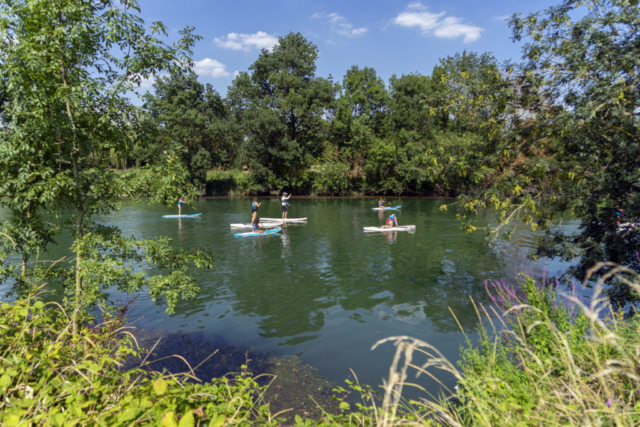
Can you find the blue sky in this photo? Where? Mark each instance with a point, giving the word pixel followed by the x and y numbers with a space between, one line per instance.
pixel 393 37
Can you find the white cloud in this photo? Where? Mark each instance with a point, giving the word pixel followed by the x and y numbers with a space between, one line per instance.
pixel 143 83
pixel 340 25
pixel 502 18
pixel 236 73
pixel 147 83
pixel 236 41
pixel 417 15
pixel 210 67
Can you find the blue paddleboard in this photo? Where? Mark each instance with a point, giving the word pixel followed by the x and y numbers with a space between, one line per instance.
pixel 181 216
pixel 253 234
pixel 387 209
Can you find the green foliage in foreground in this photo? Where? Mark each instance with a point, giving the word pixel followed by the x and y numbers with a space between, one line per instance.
pixel 553 361
pixel 539 361
pixel 50 377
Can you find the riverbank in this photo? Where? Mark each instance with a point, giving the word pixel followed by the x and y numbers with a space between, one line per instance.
pixel 538 362
pixel 293 388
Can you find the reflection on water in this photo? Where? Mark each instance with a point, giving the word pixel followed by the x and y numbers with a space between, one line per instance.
pixel 326 290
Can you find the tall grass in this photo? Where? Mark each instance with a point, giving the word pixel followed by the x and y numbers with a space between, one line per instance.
pixel 544 358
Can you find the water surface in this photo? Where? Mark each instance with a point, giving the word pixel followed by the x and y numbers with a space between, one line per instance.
pixel 325 290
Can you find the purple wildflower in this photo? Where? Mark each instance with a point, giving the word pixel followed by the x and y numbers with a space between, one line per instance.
pixel 609 404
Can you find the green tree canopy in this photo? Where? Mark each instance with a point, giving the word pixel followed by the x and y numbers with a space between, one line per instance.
pixel 68 68
pixel 193 116
pixel 281 105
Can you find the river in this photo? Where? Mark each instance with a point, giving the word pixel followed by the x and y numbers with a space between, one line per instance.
pixel 325 290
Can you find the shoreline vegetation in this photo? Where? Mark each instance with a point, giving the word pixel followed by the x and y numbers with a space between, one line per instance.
pixel 544 357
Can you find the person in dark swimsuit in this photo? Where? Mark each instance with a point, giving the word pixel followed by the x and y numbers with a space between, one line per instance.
pixel 254 209
pixel 256 226
pixel 381 202
pixel 180 202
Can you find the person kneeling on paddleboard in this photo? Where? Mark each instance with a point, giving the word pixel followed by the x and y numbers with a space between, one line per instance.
pixel 256 225
pixel 180 202
pixel 254 208
pixel 285 197
pixel 392 221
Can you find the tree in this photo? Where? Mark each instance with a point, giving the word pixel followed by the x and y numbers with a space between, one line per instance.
pixel 360 116
pixel 589 65
pixel 571 135
pixel 194 116
pixel 281 105
pixel 67 69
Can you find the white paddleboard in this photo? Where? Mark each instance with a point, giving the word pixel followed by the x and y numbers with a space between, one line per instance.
pixel 284 220
pixel 181 216
pixel 262 224
pixel 401 228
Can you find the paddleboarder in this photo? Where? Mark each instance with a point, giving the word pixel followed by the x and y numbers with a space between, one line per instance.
pixel 381 202
pixel 254 208
pixel 392 221
pixel 284 199
pixel 256 226
pixel 180 202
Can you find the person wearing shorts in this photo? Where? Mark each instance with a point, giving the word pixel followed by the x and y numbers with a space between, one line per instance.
pixel 284 199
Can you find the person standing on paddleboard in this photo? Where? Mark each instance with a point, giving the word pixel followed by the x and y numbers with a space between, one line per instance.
pixel 254 209
pixel 392 221
pixel 284 199
pixel 381 202
pixel 180 202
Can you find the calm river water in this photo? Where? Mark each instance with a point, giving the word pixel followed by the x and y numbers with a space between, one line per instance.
pixel 325 290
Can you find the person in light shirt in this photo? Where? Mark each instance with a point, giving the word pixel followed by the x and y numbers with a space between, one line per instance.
pixel 285 197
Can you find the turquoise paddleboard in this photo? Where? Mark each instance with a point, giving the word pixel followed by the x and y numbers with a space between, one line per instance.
pixel 387 209
pixel 253 234
pixel 181 216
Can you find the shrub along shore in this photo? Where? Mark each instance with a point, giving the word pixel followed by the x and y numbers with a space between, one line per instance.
pixel 241 183
pixel 543 358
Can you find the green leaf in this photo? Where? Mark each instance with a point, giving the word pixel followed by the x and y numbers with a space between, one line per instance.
pixel 5 381
pixel 187 420
pixel 160 386
pixel 169 420
pixel 218 421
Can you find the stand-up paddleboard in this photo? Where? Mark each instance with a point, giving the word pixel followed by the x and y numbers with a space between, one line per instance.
pixel 629 225
pixel 181 216
pixel 284 220
pixel 387 209
pixel 262 224
pixel 401 228
pixel 253 234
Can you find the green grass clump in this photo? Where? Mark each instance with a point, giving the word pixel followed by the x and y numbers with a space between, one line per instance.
pixel 543 358
pixel 50 377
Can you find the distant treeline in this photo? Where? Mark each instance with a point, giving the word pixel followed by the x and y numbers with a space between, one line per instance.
pixel 285 127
